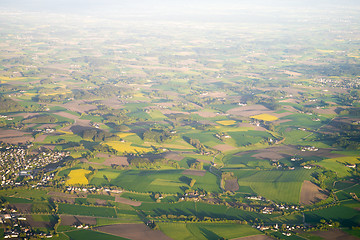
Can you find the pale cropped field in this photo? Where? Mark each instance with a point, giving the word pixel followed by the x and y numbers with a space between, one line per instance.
pixel 127 147
pixel 226 122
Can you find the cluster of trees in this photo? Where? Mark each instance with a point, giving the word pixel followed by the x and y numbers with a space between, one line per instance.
pixel 57 98
pixel 198 145
pixel 324 177
pixel 115 117
pixel 98 135
pixel 157 163
pixel 348 136
pixel 9 105
pixel 197 165
pixel 198 219
pixel 158 135
pixel 270 103
pixel 43 118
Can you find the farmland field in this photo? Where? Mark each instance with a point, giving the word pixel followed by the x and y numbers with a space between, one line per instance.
pixel 226 122
pixel 265 117
pixel 181 231
pixel 345 215
pixel 91 235
pixel 86 210
pixel 166 181
pixel 127 147
pixel 281 186
pixel 339 165
pixel 206 120
pixel 78 177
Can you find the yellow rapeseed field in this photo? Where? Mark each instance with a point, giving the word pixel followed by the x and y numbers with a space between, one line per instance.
pixel 226 122
pixel 265 117
pixel 66 132
pixel 11 78
pixel 78 177
pixel 138 95
pixel 126 147
pixel 124 135
pixel 57 92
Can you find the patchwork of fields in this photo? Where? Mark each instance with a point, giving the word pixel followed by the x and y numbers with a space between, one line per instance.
pixel 246 125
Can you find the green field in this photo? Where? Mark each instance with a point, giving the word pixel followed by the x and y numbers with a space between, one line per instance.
pixel 205 137
pixel 16 200
pixel 242 138
pixel 44 218
pixel 138 197
pixel 343 214
pixel 192 231
pixel 280 186
pixel 246 161
pixel 165 181
pixel 338 165
pixel 86 210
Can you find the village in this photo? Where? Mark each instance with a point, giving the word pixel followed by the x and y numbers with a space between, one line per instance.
pixel 17 163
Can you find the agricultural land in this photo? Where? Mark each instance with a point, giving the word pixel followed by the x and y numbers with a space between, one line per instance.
pixel 235 126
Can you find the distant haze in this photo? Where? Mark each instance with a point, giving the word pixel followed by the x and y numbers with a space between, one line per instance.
pixel 184 10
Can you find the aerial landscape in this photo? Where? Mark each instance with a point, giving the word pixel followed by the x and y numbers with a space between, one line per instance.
pixel 180 120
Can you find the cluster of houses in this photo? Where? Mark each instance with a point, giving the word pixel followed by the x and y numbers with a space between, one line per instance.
pixel 15 161
pixel 309 148
pixel 95 125
pixel 45 130
pixel 6 117
pixel 17 226
pixel 192 196
pixel 286 230
pixel 338 83
pixel 222 136
pixel 74 190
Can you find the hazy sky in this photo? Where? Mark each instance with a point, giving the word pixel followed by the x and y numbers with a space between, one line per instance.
pixel 165 6
pixel 188 10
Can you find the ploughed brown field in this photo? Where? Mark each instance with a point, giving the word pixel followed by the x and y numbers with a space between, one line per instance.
pixel 112 159
pixel 278 152
pixel 310 193
pixel 14 136
pixel 334 235
pixel 247 111
pixel 231 185
pixel 173 156
pixel 68 220
pixel 78 106
pixel 224 147
pixel 37 224
pixel 22 207
pixel 133 231
pixel 194 172
pixel 127 201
